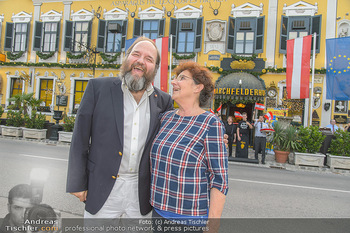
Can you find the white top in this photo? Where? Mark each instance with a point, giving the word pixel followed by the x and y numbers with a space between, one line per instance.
pixel 258 126
pixel 136 126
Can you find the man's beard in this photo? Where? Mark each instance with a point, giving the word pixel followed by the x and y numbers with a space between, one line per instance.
pixel 135 83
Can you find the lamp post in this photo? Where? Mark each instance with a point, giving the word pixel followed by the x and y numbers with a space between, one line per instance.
pixel 57 114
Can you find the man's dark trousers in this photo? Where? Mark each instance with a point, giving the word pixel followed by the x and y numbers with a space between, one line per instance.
pixel 260 145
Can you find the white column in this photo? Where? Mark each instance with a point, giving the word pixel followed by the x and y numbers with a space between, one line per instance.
pixel 331 24
pixel 36 17
pixel 66 16
pixel 271 33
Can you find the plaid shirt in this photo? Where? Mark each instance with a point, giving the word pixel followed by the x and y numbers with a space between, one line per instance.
pixel 188 158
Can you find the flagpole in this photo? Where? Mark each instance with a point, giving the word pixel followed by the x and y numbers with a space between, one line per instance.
pixel 170 63
pixel 312 78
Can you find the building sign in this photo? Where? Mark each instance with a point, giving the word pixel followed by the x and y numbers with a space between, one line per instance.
pixel 277 112
pixel 256 65
pixel 316 123
pixel 340 119
pixel 239 91
pixel 214 57
pixel 61 100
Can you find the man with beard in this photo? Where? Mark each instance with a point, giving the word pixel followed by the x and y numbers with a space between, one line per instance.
pixel 116 123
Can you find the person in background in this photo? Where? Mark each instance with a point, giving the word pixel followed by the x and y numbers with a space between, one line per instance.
pixel 347 127
pixel 19 200
pixel 231 132
pixel 189 161
pixel 260 138
pixel 243 137
pixel 332 126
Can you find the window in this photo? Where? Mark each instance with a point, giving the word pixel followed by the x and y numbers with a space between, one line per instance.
pixel 78 36
pixel 16 86
pixel 79 88
pixel 46 38
pixel 245 35
pixel 46 87
pixel 152 29
pixel 298 26
pixel 187 35
pixel 16 37
pixel 111 36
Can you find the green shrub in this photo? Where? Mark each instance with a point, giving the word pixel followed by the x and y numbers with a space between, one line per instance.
pixel 284 138
pixel 35 121
pixel 1 111
pixel 68 125
pixel 310 139
pixel 14 118
pixel 340 145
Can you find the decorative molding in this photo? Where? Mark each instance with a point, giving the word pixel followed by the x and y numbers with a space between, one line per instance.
pixel 151 13
pixel 188 12
pixel 115 14
pixel 21 17
pixel 82 15
pixel 215 36
pixel 51 16
pixel 247 10
pixel 1 18
pixel 343 28
pixel 300 8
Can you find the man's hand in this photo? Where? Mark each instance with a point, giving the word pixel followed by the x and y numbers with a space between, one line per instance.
pixel 239 138
pixel 81 195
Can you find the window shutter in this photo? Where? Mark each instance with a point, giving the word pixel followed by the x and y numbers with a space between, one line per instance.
pixel 124 32
pixel 8 37
pixel 137 27
pixel 101 35
pixel 27 36
pixel 231 35
pixel 173 31
pixel 68 42
pixel 58 35
pixel 37 36
pixel 284 34
pixel 259 36
pixel 89 34
pixel 161 28
pixel 198 40
pixel 316 27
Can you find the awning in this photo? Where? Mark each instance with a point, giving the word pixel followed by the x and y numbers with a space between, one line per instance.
pixel 239 86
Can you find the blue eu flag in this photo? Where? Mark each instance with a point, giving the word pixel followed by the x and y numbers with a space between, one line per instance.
pixel 338 68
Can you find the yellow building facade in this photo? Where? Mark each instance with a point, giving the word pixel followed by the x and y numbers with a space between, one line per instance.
pixel 53 47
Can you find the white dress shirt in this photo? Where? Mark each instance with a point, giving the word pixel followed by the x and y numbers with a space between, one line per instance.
pixel 136 126
pixel 258 126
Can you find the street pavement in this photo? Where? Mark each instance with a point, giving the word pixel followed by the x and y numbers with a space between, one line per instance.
pixel 268 190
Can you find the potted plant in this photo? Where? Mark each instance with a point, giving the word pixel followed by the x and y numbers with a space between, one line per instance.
pixel 284 141
pixel 310 142
pixel 68 126
pixel 339 156
pixel 34 126
pixel 14 124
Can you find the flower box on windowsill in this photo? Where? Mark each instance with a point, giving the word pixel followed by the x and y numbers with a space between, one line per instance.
pixel 11 131
pixel 308 159
pixel 335 161
pixel 34 133
pixel 65 136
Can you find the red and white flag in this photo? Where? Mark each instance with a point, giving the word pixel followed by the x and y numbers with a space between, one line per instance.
pixel 219 108
pixel 238 115
pixel 211 110
pixel 259 106
pixel 298 67
pixel 161 79
pixel 269 116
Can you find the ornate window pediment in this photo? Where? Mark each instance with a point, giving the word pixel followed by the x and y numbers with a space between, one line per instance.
pixel 82 15
pixel 115 14
pixel 247 10
pixel 300 8
pixel 151 13
pixel 188 12
pixel 51 16
pixel 343 28
pixel 21 17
